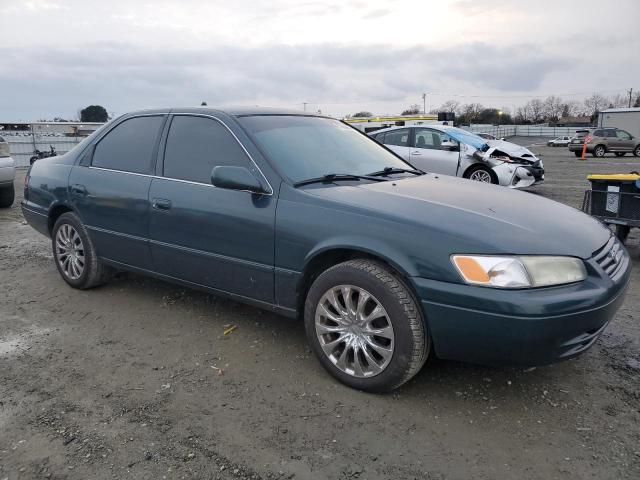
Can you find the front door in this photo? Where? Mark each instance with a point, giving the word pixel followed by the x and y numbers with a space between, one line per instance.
pixel 110 190
pixel 217 238
pixel 625 141
pixel 435 152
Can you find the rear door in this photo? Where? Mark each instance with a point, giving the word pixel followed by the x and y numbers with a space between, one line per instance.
pixel 434 151
pixel 218 238
pixel 398 141
pixel 110 188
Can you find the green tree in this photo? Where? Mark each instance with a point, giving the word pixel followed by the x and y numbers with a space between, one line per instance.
pixel 94 113
pixel 363 114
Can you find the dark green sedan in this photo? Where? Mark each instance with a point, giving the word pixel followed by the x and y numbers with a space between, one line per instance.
pixel 308 217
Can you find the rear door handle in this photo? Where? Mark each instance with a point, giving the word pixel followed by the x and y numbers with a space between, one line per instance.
pixel 417 152
pixel 161 204
pixel 78 189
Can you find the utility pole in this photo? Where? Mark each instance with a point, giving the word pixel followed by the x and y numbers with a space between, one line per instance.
pixel 424 103
pixel 630 93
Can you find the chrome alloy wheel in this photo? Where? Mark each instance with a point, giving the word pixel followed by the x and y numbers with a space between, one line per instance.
pixel 70 251
pixel 481 176
pixel 354 331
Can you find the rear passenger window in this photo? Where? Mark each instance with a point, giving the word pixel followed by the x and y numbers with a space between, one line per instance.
pixel 397 137
pixel 380 137
pixel 195 145
pixel 129 146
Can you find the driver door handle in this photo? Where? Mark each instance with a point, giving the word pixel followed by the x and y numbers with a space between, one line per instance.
pixel 417 152
pixel 161 204
pixel 78 189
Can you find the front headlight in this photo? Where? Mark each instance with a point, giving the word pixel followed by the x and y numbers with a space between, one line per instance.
pixel 519 272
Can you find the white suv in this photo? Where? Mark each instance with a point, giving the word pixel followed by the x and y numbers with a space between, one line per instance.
pixel 7 175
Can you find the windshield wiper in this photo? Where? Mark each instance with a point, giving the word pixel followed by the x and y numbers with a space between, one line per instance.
pixel 391 170
pixel 331 177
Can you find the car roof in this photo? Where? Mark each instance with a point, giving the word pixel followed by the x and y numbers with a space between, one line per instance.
pixel 442 128
pixel 232 111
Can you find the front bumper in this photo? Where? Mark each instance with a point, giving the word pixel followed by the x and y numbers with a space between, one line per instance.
pixel 521 327
pixel 515 175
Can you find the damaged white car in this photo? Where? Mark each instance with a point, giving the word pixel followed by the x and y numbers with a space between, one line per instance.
pixel 456 152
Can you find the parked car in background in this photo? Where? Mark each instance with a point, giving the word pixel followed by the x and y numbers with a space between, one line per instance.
pixel 601 141
pixel 7 175
pixel 562 141
pixel 456 152
pixel 306 216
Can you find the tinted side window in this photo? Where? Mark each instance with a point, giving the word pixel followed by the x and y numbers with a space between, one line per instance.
pixel 428 139
pixel 195 145
pixel 380 137
pixel 598 133
pixel 129 146
pixel 622 135
pixel 397 137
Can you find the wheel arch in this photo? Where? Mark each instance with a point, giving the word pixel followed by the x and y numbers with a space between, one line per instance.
pixel 55 212
pixel 481 165
pixel 327 256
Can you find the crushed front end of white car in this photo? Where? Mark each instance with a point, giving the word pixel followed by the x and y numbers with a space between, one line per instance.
pixel 514 166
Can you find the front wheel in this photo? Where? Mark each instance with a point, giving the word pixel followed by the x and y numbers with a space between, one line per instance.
pixel 75 255
pixel 7 196
pixel 636 151
pixel 365 326
pixel 482 174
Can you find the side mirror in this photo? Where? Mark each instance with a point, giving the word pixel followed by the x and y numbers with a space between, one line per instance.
pixel 235 178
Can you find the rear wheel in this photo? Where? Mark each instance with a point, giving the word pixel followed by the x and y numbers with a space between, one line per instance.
pixel 7 195
pixel 599 151
pixel 636 151
pixel 481 173
pixel 75 255
pixel 365 326
pixel 577 154
pixel 619 154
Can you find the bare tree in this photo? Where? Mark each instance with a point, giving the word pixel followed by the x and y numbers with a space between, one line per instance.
pixel 594 104
pixel 537 110
pixel 552 107
pixel 450 106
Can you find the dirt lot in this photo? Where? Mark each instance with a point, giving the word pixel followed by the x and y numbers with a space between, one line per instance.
pixel 136 380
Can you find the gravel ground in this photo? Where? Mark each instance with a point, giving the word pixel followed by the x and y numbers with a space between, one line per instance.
pixel 136 380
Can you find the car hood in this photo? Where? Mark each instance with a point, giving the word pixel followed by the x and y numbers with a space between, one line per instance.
pixel 511 149
pixel 481 218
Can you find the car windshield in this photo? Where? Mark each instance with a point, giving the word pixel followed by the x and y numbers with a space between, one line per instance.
pixel 467 138
pixel 309 147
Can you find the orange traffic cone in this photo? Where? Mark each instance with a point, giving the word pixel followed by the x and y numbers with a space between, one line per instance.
pixel 584 151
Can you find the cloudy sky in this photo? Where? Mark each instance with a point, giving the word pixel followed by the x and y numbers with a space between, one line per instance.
pixel 57 56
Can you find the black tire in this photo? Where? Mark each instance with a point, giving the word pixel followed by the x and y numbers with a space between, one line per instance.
pixel 636 151
pixel 94 272
pixel 577 154
pixel 622 232
pixel 469 174
pixel 599 151
pixel 7 196
pixel 411 340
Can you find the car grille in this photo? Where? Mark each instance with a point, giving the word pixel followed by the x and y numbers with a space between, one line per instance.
pixel 611 257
